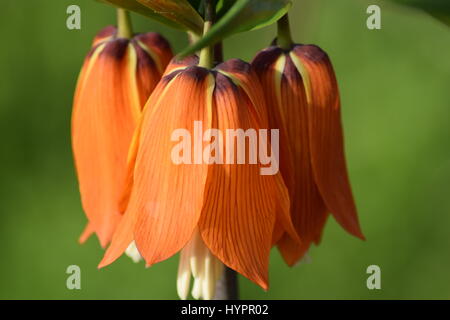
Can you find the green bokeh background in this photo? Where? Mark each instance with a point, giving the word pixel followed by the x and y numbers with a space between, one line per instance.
pixel 395 85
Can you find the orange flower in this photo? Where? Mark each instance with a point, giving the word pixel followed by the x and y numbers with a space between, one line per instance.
pixel 117 77
pixel 303 101
pixel 213 212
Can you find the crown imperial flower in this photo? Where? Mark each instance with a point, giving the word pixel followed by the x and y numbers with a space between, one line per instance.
pixel 216 161
pixel 210 212
pixel 303 101
pixel 117 77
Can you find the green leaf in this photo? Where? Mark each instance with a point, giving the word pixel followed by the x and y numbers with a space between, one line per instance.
pixel 440 9
pixel 196 4
pixel 179 11
pixel 133 5
pixel 243 15
pixel 222 7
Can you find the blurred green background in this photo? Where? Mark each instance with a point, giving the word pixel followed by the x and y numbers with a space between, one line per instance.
pixel 395 85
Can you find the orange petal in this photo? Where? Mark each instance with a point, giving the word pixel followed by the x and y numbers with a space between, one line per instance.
pixel 157 47
pixel 266 69
pixel 107 33
pixel 168 196
pixel 241 205
pixel 87 232
pixel 286 104
pixel 269 65
pixel 244 75
pixel 146 74
pixel 176 64
pixel 153 54
pixel 106 110
pixel 124 233
pixel 131 162
pixel 326 136
pixel 308 209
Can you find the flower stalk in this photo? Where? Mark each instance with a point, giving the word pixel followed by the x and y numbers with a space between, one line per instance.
pixel 124 27
pixel 227 286
pixel 284 39
pixel 207 53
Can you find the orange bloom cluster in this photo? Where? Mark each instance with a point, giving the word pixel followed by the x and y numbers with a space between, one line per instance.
pixel 126 109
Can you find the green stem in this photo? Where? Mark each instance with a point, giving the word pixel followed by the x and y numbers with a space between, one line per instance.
pixel 124 28
pixel 192 37
pixel 207 53
pixel 284 39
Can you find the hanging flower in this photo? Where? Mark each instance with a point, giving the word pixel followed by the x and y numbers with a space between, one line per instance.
pixel 303 101
pixel 195 196
pixel 117 77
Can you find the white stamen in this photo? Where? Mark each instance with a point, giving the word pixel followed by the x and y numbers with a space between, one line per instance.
pixel 184 275
pixel 197 289
pixel 206 269
pixel 209 283
pixel 197 255
pixel 133 252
